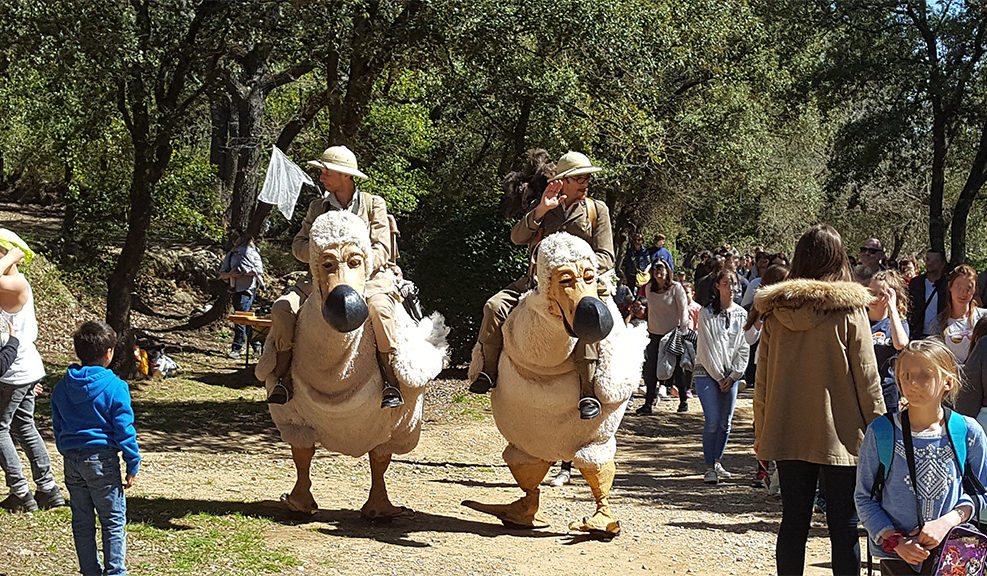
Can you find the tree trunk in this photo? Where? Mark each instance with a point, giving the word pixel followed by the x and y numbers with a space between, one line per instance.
pixel 937 222
pixel 250 112
pixel 120 284
pixel 974 183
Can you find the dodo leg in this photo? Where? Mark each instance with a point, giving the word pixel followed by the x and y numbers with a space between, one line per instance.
pixel 523 511
pixel 600 480
pixel 378 506
pixel 300 499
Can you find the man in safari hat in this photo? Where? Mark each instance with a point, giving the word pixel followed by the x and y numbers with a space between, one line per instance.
pixel 563 206
pixel 338 169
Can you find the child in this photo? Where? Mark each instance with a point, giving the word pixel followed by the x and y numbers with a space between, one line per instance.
pixel 93 421
pixel 889 327
pixel 927 375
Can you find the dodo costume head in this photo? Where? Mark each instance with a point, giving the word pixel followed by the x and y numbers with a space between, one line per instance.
pixel 566 271
pixel 341 262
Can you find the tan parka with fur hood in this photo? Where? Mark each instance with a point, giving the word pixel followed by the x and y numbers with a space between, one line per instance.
pixel 817 385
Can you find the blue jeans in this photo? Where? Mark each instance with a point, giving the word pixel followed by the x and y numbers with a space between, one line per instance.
pixel 17 422
pixel 242 302
pixel 718 411
pixel 93 479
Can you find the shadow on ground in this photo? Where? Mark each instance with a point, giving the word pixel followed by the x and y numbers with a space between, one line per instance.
pixel 167 513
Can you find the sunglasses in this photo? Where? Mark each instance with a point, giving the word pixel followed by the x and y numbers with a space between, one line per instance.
pixel 865 250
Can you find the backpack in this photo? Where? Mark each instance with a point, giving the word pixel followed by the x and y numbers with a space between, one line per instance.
pixel 956 433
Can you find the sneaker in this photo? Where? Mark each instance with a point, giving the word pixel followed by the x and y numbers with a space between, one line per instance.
pixel 662 392
pixel 233 355
pixel 561 479
pixel 710 477
pixel 720 471
pixel 14 503
pixel 761 479
pixel 673 392
pixel 49 500
pixel 258 349
pixel 688 393
pixel 644 410
pixel 683 406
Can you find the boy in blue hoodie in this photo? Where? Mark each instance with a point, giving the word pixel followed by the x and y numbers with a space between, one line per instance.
pixel 93 421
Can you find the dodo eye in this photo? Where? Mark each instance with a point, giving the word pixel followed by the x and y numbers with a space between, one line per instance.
pixel 589 276
pixel 567 281
pixel 355 262
pixel 329 266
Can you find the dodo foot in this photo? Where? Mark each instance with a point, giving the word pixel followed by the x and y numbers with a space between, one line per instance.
pixel 376 512
pixel 517 513
pixel 300 504
pixel 600 523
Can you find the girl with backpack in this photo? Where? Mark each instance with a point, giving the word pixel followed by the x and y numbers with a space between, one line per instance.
pixel 921 446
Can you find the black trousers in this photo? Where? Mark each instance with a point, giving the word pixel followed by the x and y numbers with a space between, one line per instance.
pixel 798 489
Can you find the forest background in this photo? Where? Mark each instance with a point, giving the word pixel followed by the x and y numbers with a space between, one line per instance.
pixel 741 122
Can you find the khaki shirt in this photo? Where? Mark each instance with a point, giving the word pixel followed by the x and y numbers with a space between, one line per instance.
pixel 577 223
pixel 370 208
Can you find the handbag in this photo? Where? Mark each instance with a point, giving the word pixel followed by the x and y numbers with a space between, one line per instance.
pixel 643 277
pixel 962 552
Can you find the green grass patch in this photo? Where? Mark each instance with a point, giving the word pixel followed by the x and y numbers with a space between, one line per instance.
pixel 230 544
pixel 475 407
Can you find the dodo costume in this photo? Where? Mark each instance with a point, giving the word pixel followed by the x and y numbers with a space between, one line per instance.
pixel 538 388
pixel 337 380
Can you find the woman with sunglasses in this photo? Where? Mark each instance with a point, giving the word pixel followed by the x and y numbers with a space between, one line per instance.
pixel 721 358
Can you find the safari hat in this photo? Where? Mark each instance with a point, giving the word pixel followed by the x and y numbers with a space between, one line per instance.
pixel 338 159
pixel 574 164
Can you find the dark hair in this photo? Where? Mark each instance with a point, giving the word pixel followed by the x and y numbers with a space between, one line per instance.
pixel 716 305
pixel 92 340
pixel 653 283
pixel 819 255
pixel 979 331
pixel 774 274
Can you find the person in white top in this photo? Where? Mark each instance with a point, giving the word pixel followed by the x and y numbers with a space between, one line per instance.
pixel 721 358
pixel 961 313
pixel 18 392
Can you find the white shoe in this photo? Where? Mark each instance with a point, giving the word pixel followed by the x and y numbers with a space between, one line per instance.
pixel 662 392
pixel 720 471
pixel 710 477
pixel 561 478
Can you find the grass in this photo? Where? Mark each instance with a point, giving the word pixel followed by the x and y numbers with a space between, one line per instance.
pixel 221 544
pixel 228 544
pixel 475 407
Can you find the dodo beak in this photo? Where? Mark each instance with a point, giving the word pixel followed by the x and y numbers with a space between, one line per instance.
pixel 345 309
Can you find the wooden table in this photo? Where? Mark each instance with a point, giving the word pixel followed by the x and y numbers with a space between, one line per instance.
pixel 248 319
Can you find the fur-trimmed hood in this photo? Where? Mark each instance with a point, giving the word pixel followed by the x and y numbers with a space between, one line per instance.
pixel 801 304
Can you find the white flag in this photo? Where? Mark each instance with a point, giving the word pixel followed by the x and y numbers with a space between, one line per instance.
pixel 283 183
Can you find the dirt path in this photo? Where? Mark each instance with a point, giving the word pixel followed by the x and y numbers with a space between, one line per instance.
pixel 673 523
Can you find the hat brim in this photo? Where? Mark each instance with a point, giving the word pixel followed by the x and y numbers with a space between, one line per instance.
pixel 337 168
pixel 578 171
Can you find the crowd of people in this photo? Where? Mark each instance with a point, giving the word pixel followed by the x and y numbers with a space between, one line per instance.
pixel 841 343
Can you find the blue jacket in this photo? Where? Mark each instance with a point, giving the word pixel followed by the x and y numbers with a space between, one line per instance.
pixel 90 408
pixel 941 488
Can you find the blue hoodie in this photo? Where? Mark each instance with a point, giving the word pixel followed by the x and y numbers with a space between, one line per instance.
pixel 90 408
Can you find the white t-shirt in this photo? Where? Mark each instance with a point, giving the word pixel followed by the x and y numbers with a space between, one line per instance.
pixel 28 367
pixel 931 309
pixel 958 332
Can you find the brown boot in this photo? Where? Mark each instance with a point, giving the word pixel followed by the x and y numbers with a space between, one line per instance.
pixel 600 481
pixel 391 396
pixel 487 379
pixel 589 406
pixel 284 390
